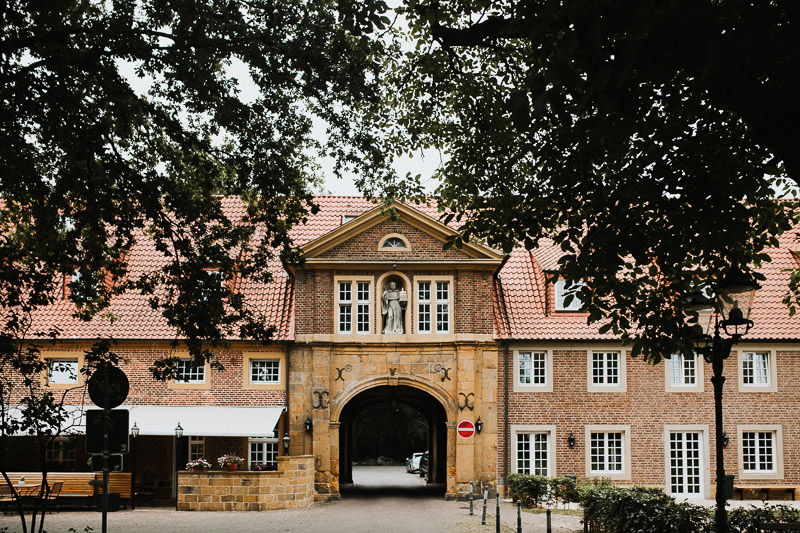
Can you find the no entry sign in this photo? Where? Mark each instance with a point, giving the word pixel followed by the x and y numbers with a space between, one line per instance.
pixel 465 429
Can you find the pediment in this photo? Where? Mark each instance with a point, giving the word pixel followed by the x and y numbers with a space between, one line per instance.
pixel 360 239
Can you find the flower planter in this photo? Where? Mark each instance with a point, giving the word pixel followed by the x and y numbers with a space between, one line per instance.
pixel 232 468
pixel 199 469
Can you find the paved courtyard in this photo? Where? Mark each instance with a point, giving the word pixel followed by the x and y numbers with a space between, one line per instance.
pixel 383 499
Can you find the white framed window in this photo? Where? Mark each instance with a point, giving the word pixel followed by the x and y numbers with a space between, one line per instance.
pixel 686 454
pixel 345 307
pixel 265 371
pixel 362 306
pixel 424 307
pixel 61 451
pixel 354 306
pixel 533 450
pixel 756 369
pixel 685 463
pixel 561 293
pixel 684 373
pixel 605 368
pixel 533 453
pixel 264 452
pixel 760 451
pixel 197 448
pixel 187 371
pixel 608 451
pixel 63 371
pixel 190 375
pixel 533 370
pixel 434 308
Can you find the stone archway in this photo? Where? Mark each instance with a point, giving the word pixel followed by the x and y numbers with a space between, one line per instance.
pixel 434 405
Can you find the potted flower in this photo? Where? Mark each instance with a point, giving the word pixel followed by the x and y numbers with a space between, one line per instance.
pixel 230 461
pixel 198 465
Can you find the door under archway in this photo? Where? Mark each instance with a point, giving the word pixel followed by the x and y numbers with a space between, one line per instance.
pixel 393 405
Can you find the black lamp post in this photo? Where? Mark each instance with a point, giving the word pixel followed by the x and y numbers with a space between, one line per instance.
pixel 134 434
pixel 730 311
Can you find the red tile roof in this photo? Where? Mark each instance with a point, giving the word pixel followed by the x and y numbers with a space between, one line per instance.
pixel 519 306
pixel 520 311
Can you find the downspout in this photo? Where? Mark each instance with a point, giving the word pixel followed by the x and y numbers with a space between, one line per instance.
pixel 506 431
pixel 288 369
pixel 507 327
pixel 289 302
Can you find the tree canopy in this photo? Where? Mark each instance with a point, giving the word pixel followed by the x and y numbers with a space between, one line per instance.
pixel 125 120
pixel 648 139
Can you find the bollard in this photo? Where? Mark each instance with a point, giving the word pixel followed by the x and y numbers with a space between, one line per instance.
pixel 497 515
pixel 549 522
pixel 519 516
pixel 471 498
pixel 485 496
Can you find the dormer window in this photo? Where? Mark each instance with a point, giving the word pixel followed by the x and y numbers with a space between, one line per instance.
pixel 563 291
pixel 348 218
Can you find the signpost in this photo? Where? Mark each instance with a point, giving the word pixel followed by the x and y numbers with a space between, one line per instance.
pixel 465 429
pixel 108 388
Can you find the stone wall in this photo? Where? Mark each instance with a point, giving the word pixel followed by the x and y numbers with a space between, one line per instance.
pixel 290 487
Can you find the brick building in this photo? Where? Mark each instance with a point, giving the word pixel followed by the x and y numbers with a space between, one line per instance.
pixel 380 312
pixel 574 402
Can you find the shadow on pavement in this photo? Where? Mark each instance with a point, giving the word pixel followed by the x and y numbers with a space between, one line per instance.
pixel 354 490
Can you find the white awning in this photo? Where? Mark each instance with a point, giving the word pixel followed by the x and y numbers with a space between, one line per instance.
pixel 205 421
pixel 74 422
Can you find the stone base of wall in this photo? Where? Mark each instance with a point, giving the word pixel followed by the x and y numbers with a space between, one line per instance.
pixel 290 487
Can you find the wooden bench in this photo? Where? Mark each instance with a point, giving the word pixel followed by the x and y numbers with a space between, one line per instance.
pixel 80 487
pixel 765 490
pixel 118 483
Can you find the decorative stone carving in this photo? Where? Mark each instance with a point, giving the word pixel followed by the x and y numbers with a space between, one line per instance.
pixel 393 307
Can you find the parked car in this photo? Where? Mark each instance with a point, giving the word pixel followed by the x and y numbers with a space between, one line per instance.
pixel 412 463
pixel 423 465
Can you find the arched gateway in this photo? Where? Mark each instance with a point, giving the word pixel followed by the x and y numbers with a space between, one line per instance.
pixel 436 409
pixel 383 313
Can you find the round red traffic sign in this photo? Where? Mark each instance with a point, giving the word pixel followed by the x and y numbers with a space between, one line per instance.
pixel 465 429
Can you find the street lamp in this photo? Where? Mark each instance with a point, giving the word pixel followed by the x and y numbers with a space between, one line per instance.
pixel 134 434
pixel 730 311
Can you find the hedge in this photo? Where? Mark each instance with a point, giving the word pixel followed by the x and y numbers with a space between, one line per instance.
pixel 610 509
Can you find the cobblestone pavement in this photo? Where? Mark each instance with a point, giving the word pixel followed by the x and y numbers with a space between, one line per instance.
pixel 383 499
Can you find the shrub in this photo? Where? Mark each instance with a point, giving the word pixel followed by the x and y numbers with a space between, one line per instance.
pixel 532 491
pixel 565 489
pixel 751 519
pixel 618 510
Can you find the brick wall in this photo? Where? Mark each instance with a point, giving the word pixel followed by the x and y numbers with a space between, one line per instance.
pixel 226 386
pixel 291 487
pixel 365 245
pixel 647 408
pixel 471 307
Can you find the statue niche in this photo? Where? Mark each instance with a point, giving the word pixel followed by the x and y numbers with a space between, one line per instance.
pixel 393 308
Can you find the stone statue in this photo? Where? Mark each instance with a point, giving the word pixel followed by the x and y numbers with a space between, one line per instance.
pixel 393 305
